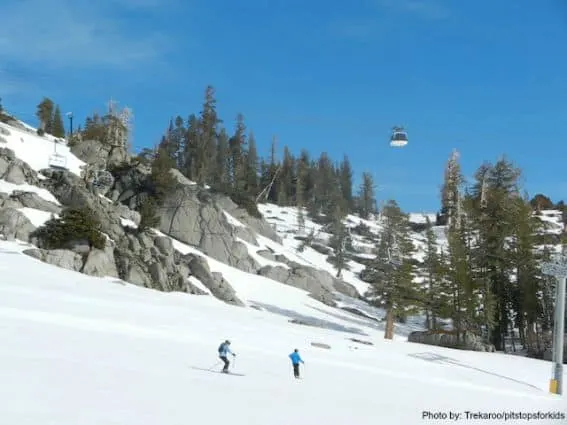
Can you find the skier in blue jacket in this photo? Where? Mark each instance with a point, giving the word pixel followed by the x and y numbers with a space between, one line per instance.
pixel 224 351
pixel 295 360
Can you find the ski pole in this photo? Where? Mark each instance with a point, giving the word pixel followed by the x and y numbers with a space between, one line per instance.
pixel 211 368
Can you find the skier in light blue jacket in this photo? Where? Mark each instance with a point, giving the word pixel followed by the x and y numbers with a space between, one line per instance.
pixel 224 351
pixel 295 360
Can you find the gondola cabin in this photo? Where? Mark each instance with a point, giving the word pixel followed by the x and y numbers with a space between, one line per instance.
pixel 399 137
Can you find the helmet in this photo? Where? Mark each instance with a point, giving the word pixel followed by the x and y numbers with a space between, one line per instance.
pixel 227 342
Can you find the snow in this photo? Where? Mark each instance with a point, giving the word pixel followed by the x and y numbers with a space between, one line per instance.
pixel 9 188
pixel 36 150
pixel 126 222
pixel 233 220
pixel 284 219
pixel 91 350
pixel 87 350
pixel 196 282
pixel 37 217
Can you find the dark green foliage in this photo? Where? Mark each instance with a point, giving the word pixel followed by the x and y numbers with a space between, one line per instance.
pixel 58 126
pixel 161 177
pixel 247 202
pixel 148 214
pixel 44 114
pixel 95 128
pixel 73 225
pixel 340 242
pixel 366 202
pixel 541 202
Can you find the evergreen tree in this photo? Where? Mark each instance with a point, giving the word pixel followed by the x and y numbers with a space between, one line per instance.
pixel 286 177
pixel 44 114
pixel 206 150
pixel 161 177
pixel 191 148
pixel 237 149
pixel 434 271
pixel 366 197
pixel 340 242
pixel 222 167
pixel 390 273
pixel 148 214
pixel 451 189
pixel 252 167
pixel 58 128
pixel 502 191
pixel 345 182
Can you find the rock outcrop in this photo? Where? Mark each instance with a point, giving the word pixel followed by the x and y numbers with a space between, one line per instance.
pixel 97 152
pixel 15 225
pixel 13 170
pixel 467 340
pixel 190 215
pixel 208 221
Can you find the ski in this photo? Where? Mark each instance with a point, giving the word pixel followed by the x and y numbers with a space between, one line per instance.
pixel 218 371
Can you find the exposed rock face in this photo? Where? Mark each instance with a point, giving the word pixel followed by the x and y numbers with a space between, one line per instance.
pixel 129 183
pixel 320 283
pixel 469 341
pixel 261 226
pixel 71 191
pixel 146 260
pixel 14 170
pixel 210 222
pixel 58 257
pixel 15 225
pixel 190 215
pixel 96 152
pixel 33 200
pixel 212 280
pixel 100 263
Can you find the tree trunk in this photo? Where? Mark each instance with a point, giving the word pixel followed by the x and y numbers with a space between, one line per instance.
pixel 389 331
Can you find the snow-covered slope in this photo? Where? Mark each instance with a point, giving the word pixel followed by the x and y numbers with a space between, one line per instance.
pixel 39 151
pixel 90 350
pixel 78 349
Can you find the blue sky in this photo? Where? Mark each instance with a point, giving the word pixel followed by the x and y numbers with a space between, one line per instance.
pixel 486 77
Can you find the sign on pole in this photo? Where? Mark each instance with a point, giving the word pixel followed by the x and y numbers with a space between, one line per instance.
pixel 557 267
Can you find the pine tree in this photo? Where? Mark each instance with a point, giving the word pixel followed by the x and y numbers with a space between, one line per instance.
pixel 366 197
pixel 286 177
pixel 345 182
pixel 191 148
pixel 340 242
pixel 502 182
pixel 451 189
pixel 237 149
pixel 161 177
pixel 390 273
pixel 252 167
pixel 434 273
pixel 222 167
pixel 58 128
pixel 206 150
pixel 44 114
pixel 302 167
pixel 526 293
pixel 148 215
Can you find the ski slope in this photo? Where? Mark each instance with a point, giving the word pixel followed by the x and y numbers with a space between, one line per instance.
pixel 91 351
pixel 37 150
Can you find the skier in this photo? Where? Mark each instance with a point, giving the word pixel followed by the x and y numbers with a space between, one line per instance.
pixel 224 350
pixel 295 360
